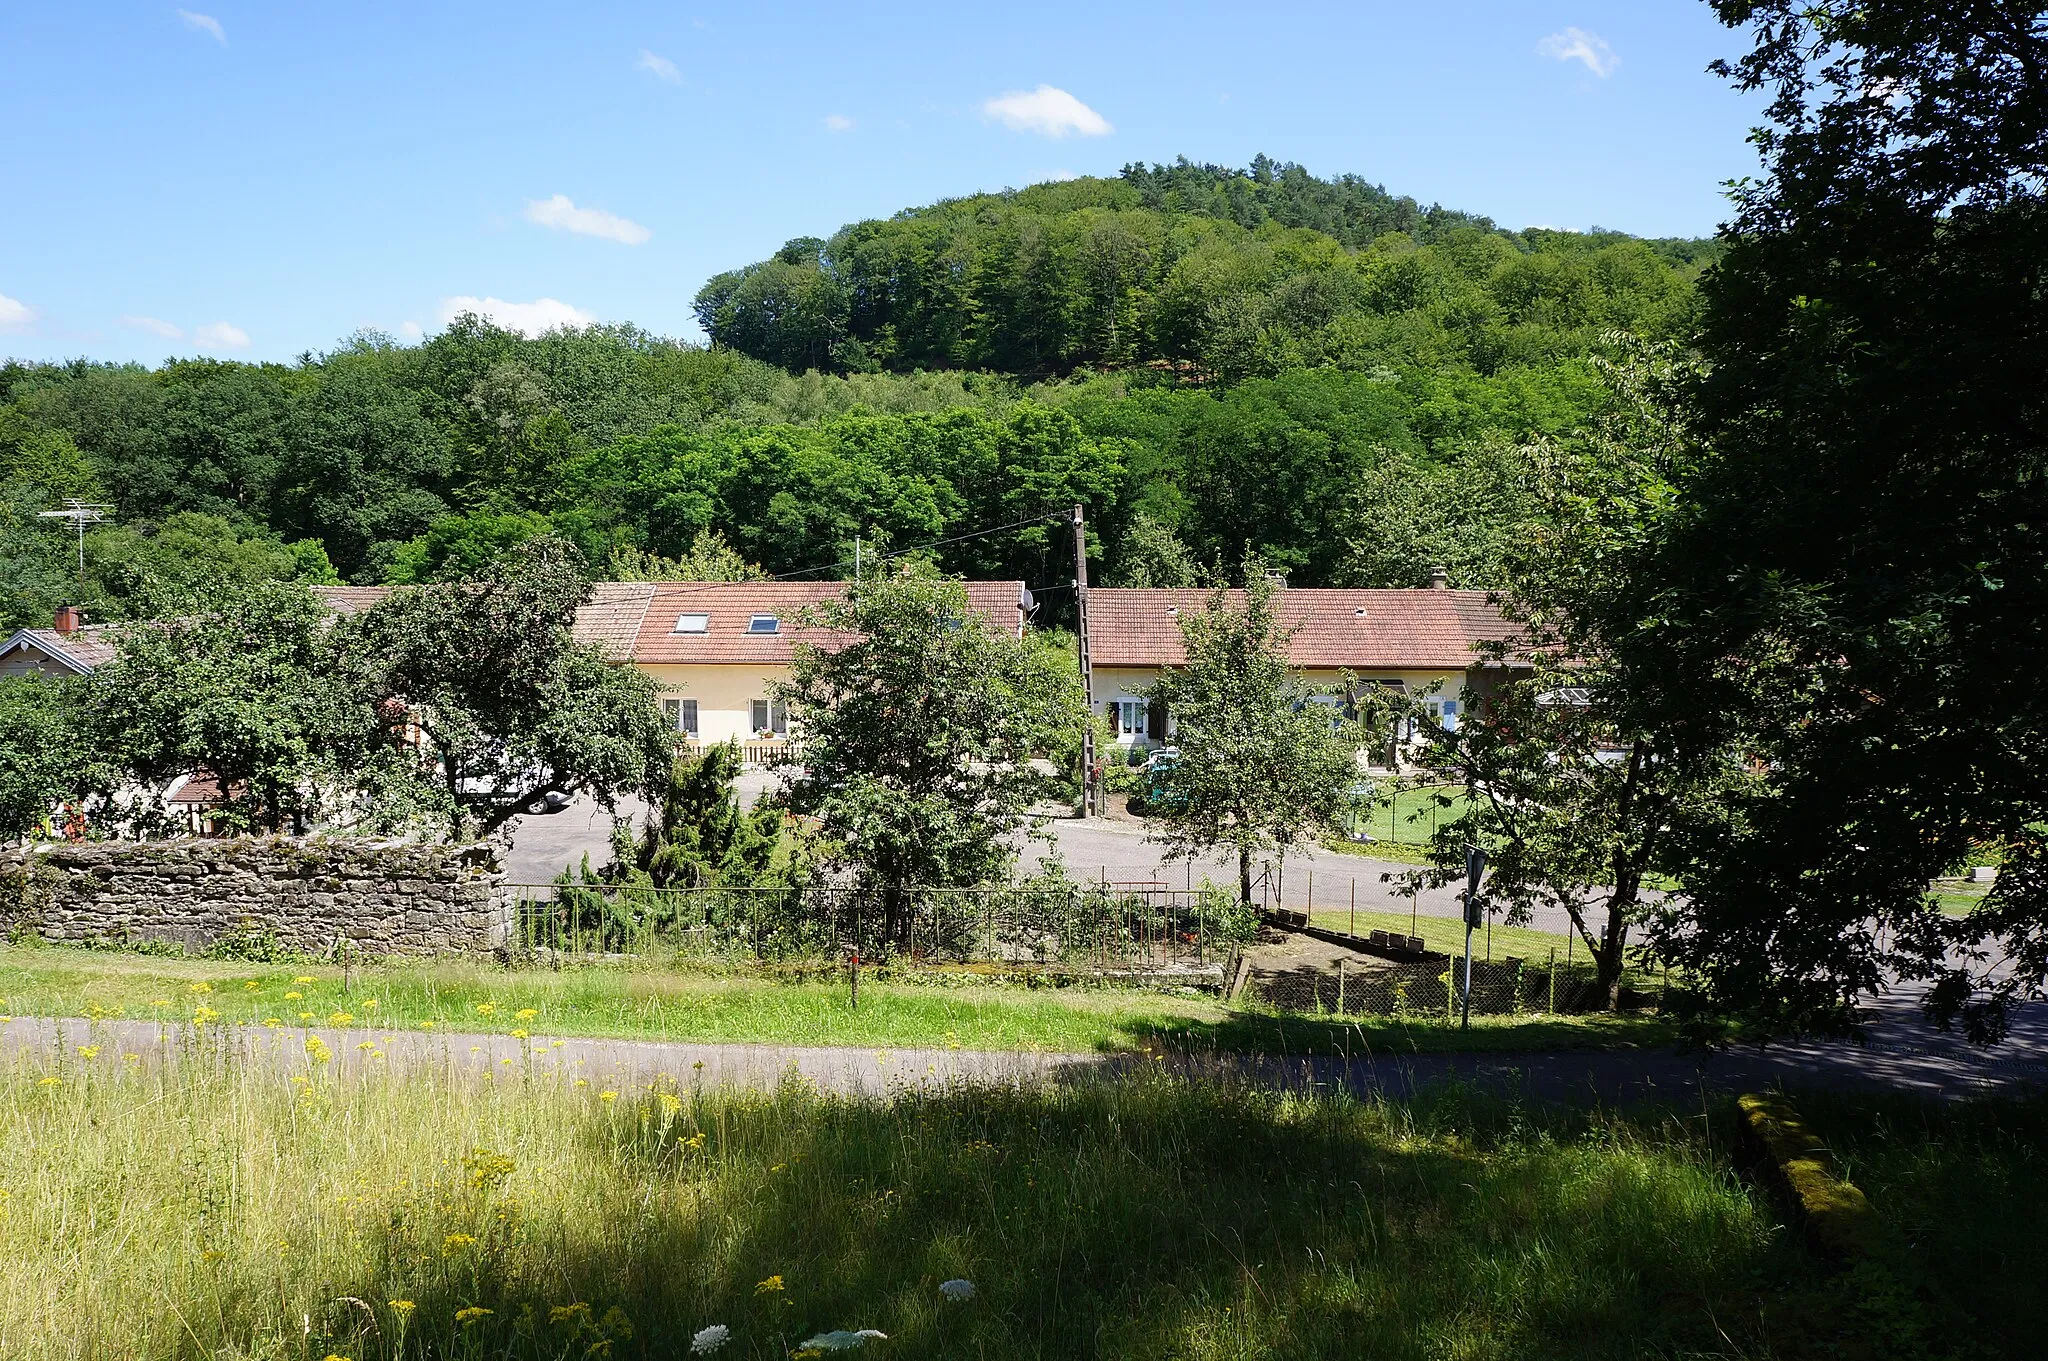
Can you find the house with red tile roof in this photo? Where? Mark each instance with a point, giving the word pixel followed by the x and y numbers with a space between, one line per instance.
pixel 71 648
pixel 716 647
pixel 1424 642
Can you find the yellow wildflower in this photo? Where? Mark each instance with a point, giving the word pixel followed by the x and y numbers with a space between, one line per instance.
pixel 305 1015
pixel 272 1022
pixel 294 996
pixel 199 987
pixel 564 1313
pixel 426 1025
pixel 339 1018
pixel 607 1096
pixel 671 1103
pixel 402 1308
pixel 252 985
pixel 159 1001
pixel 525 1014
pixel 303 978
pixel 771 1286
pixel 88 1051
pixel 486 1008
pixel 518 1034
pixel 695 1140
pixel 581 1082
pixel 369 1004
pixel 51 1082
pixel 471 1315
pixel 367 1044
pixel 204 1014
pixel 456 1242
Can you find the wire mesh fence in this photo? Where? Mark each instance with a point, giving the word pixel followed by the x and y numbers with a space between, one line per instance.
pixel 1109 927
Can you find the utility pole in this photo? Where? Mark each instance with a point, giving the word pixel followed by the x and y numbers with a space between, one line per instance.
pixel 1090 801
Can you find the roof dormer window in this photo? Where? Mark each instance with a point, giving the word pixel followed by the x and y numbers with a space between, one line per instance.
pixel 693 623
pixel 764 623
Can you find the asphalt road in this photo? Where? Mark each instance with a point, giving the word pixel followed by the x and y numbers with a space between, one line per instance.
pixel 1580 1077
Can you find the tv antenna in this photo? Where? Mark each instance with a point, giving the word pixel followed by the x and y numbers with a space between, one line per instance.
pixel 81 514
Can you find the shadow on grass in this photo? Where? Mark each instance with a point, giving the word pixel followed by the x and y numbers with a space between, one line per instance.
pixel 1143 1219
pixel 1351 1037
pixel 1159 1219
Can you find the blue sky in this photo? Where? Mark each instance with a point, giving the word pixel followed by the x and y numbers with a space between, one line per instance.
pixel 258 180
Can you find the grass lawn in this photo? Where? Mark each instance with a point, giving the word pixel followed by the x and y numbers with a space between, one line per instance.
pixel 266 1211
pixel 937 1011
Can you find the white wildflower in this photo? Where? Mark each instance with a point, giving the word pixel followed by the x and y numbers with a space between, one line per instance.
pixel 957 1290
pixel 840 1340
pixel 710 1339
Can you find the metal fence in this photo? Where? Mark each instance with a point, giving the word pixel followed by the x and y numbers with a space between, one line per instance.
pixel 1143 926
pixel 1431 988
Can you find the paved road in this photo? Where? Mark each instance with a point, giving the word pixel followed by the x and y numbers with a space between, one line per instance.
pixel 1943 1069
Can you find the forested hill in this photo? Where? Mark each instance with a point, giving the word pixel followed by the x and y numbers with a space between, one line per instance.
pixel 1216 362
pixel 1212 273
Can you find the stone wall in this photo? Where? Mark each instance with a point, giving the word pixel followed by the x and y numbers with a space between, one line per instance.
pixel 397 899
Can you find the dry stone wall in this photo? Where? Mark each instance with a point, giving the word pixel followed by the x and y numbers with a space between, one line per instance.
pixel 307 895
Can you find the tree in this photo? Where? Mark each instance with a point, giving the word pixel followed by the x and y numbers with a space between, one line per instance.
pixel 699 835
pixel 915 729
pixel 1854 585
pixel 1151 554
pixel 1263 766
pixel 506 704
pixel 1572 786
pixel 46 752
pixel 239 684
pixel 709 558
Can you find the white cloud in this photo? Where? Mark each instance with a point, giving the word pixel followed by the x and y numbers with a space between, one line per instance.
pixel 1575 44
pixel 1048 110
pixel 527 318
pixel 409 329
pixel 661 66
pixel 204 23
pixel 562 215
pixel 220 335
pixel 156 326
pixel 15 315
pixel 838 122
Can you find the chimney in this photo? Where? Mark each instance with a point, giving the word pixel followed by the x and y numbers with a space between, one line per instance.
pixel 1278 580
pixel 1439 578
pixel 68 620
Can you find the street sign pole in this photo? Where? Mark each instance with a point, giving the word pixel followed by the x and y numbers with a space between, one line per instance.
pixel 1475 868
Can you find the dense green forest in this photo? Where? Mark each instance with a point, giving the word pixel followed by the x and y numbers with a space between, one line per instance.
pixel 1216 362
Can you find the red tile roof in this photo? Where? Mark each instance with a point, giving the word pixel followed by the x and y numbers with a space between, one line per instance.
pixel 729 606
pixel 611 619
pixel 1359 630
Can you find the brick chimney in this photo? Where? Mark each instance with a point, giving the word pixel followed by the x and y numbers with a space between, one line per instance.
pixel 69 620
pixel 1439 578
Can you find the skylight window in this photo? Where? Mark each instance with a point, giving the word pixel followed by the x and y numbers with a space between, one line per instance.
pixel 693 623
pixel 764 623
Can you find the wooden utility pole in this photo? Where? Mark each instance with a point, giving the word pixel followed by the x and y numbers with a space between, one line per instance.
pixel 1091 801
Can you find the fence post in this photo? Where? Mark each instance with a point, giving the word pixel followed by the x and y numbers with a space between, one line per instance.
pixel 853 990
pixel 1340 986
pixel 1553 980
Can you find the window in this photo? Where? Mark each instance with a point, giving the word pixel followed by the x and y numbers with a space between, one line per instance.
pixel 771 717
pixel 1444 711
pixel 1129 717
pixel 681 715
pixel 764 623
pixel 693 623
